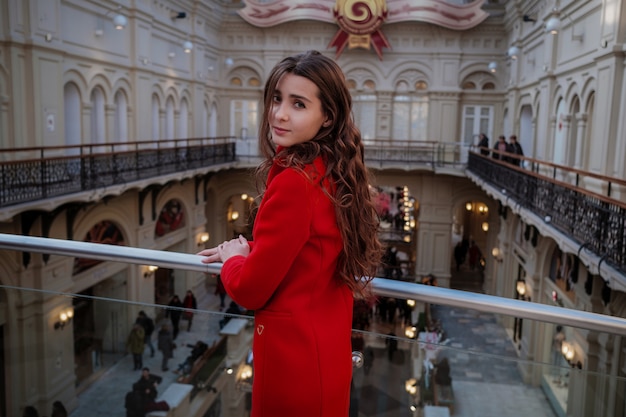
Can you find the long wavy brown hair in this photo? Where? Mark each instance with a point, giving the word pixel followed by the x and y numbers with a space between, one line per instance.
pixel 341 147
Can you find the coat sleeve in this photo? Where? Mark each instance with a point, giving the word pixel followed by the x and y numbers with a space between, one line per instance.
pixel 281 230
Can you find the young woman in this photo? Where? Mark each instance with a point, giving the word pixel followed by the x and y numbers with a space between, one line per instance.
pixel 315 243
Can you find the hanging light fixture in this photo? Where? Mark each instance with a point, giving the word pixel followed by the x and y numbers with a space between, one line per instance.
pixel 187 46
pixel 493 66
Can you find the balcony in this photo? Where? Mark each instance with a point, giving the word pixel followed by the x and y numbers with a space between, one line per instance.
pixel 556 200
pixel 463 364
pixel 32 177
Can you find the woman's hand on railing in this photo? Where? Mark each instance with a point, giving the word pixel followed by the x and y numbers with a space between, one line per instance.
pixel 226 250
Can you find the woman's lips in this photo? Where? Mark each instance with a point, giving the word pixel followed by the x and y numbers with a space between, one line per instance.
pixel 278 131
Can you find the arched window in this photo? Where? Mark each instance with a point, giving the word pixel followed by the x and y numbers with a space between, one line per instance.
pixel 120 124
pixel 205 120
pixel 213 121
pixel 156 134
pixel 183 128
pixel 169 118
pixel 98 126
pixel 364 110
pixel 171 218
pixel 410 117
pixel 105 232
pixel 71 116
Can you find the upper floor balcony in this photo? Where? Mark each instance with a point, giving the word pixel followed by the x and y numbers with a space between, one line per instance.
pixel 42 178
pixel 585 207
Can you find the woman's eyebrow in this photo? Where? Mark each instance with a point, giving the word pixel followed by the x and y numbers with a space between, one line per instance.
pixel 299 97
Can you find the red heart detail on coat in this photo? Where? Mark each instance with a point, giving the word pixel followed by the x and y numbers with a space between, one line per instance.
pixel 260 328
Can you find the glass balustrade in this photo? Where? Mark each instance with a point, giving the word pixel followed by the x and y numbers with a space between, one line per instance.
pixel 467 364
pixel 419 350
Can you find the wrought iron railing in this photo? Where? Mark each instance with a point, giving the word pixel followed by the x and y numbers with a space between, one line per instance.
pixel 593 220
pixel 32 174
pixel 404 154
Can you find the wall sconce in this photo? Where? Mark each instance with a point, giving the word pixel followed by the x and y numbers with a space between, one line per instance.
pixel 493 66
pixel 410 386
pixel 64 318
pixel 244 378
pixel 553 25
pixel 468 206
pixel 187 46
pixel 485 226
pixel 497 254
pixel 150 270
pixel 513 52
pixel 233 216
pixel 568 351
pixel 410 332
pixel 520 287
pixel 120 21
pixel 483 209
pixel 203 238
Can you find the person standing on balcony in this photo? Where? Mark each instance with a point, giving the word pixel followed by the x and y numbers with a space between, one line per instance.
pixel 515 148
pixel 501 147
pixel 483 144
pixel 315 242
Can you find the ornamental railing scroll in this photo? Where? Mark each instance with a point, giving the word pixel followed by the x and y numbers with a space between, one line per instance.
pixel 33 174
pixel 595 221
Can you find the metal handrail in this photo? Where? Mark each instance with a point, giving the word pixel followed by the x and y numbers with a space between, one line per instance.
pixel 384 287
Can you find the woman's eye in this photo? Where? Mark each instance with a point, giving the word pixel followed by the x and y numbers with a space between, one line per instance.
pixel 299 105
pixel 276 99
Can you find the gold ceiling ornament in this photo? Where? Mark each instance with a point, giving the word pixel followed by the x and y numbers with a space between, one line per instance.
pixel 359 25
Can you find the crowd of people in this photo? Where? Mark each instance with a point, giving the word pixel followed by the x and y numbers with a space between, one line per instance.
pixel 502 150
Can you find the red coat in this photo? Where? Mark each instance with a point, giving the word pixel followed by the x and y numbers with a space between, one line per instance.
pixel 303 314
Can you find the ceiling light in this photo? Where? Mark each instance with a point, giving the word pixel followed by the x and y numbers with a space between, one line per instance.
pixel 493 65
pixel 187 46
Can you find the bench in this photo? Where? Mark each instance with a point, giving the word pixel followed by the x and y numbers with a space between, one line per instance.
pixel 199 363
pixel 178 397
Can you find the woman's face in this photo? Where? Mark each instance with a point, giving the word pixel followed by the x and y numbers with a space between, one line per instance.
pixel 296 114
